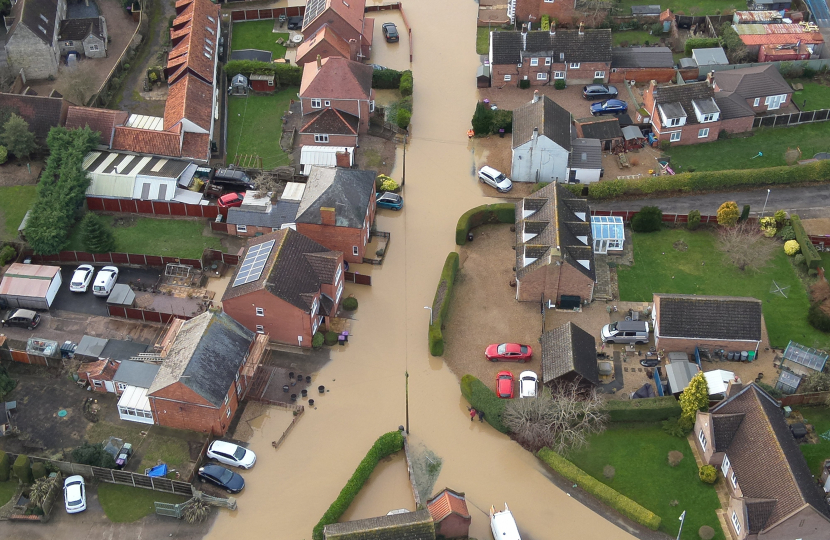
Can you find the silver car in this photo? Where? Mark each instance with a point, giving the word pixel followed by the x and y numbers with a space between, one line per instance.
pixel 496 179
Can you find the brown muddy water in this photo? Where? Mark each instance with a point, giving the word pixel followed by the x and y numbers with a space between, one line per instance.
pixel 289 489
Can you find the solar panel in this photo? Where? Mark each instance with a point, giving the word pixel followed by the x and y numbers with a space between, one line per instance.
pixel 312 9
pixel 253 264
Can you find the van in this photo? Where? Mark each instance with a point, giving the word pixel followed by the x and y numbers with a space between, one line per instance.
pixel 503 525
pixel 626 332
pixel 232 179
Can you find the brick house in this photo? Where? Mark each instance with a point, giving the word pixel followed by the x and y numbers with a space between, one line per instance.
pixel 542 57
pixel 329 127
pixel 772 494
pixel 341 84
pixel 762 87
pixel 259 215
pixel 450 515
pixel 346 19
pixel 682 322
pixel 325 42
pixel 84 36
pixel 99 374
pixel 644 64
pixel 569 354
pixel 531 11
pixel 41 112
pixel 32 39
pixel 101 120
pixel 554 255
pixel 287 286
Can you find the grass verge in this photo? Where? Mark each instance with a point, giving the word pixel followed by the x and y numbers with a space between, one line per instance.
pixel 7 489
pixel 815 454
pixel 258 35
pixel 483 39
pixel 255 126
pixel 154 448
pixel 632 38
pixel 125 504
pixel 15 201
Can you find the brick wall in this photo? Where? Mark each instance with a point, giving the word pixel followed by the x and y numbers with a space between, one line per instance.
pixel 737 125
pixel 250 230
pixel 762 108
pixel 334 140
pixel 179 407
pixel 689 134
pixel 342 239
pixel 283 322
pixel 661 75
pixel 546 281
pixel 583 75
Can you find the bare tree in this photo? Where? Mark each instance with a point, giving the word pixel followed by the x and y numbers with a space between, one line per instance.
pixel 745 246
pixel 272 181
pixel 78 83
pixel 561 418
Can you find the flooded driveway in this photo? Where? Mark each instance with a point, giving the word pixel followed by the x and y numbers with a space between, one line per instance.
pixel 289 489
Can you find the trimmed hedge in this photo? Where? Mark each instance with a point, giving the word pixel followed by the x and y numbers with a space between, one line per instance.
pixel 482 398
pixel 439 313
pixel 284 74
pixel 4 466
pixel 23 469
pixel 406 83
pixel 604 493
pixel 700 43
pixel 811 256
pixel 486 213
pixel 38 470
pixel 653 409
pixel 386 445
pixel 386 79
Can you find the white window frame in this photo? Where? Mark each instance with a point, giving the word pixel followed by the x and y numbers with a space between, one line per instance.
pixel 599 74
pixel 316 103
pixel 271 82
pixel 547 61
pixel 549 1
pixel 315 325
pixel 559 75
pixel 672 137
pixel 96 383
pixel 338 273
pixel 355 251
pixel 260 329
pixel 541 76
pixel 241 228
pixel 339 292
pixel 508 77
pixel 372 106
pixel 122 386
pixel 534 62
pixel 260 312
pixel 228 413
pixel 707 118
pixel 757 102
pixel 321 138
pixel 673 122
pixel 736 522
pixel 315 305
pixel 573 65
pixel 326 103
pixel 734 480
pixel 702 438
pixel 703 133
pixel 227 399
pixel 724 466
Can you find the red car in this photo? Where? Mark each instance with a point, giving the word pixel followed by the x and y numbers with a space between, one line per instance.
pixel 508 352
pixel 504 385
pixel 231 200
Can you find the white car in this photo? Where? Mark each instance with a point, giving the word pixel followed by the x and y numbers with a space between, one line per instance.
pixel 74 494
pixel 81 278
pixel 231 454
pixel 105 281
pixel 496 179
pixel 527 384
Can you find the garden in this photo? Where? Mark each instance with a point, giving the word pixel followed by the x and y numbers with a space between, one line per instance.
pixel 815 454
pixel 125 504
pixel 15 201
pixel 158 446
pixel 813 97
pixel 255 126
pixel 258 35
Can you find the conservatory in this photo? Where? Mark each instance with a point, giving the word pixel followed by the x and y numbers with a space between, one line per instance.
pixel 608 233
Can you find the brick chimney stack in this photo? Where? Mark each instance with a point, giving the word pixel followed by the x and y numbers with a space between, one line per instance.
pixel 319 62
pixel 352 49
pixel 581 29
pixel 342 159
pixel 535 96
pixel 327 216
pixel 710 77
pixel 553 28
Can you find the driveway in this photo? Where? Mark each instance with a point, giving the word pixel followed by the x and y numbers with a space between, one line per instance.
pixel 87 302
pixel 512 97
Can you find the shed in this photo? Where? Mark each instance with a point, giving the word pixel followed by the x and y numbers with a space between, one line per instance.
pixel 483 76
pixel 803 360
pixel 686 63
pixel 449 512
pixel 787 382
pixel 714 56
pixel 569 353
pixel 679 373
pixel 718 381
pixel 652 10
pixel 606 130
pixel 262 83
pixel 31 286
pixel 608 232
pixel 239 85
pixel 89 348
pixel 121 295
pixel 324 156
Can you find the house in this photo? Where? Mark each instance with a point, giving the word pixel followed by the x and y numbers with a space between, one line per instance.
pixel 416 525
pixel 449 513
pixel 541 141
pixel 32 37
pixel 771 491
pixel 84 36
pixel 569 354
pixel 30 286
pixel 804 40
pixel 643 64
pixel 543 57
pixel 682 322
pixel 101 120
pixel 585 161
pixel 341 84
pixel 134 373
pixel 98 375
pixel 259 215
pixel 346 19
pixel 287 286
pixel 554 256
pixel 330 127
pixel 531 11
pixel 326 42
pixel 41 112
pixel 762 87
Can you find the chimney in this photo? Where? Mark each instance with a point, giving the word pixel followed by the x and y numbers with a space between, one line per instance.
pixel 535 96
pixel 524 28
pixel 651 86
pixel 319 62
pixel 734 387
pixel 352 49
pixel 342 159
pixel 524 37
pixel 709 77
pixel 553 28
pixel 581 29
pixel 327 215
pixel 535 134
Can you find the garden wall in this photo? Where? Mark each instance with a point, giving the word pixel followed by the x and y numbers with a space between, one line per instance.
pixel 72 257
pixel 480 215
pixel 643 410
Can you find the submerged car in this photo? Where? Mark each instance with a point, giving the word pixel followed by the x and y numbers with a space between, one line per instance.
pixel 609 106
pixel 105 281
pixel 504 385
pixel 25 318
pixel 74 494
pixel 231 454
pixel 511 352
pixel 527 384
pixel 392 201
pixel 496 179
pixel 81 278
pixel 390 32
pixel 222 477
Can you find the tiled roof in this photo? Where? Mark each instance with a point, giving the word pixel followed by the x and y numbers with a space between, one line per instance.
pixel 306 52
pixel 100 120
pixel 552 121
pixel 641 57
pixel 196 146
pixel 732 105
pixel 724 426
pixel 337 78
pixel 407 526
pixel 669 96
pixel 331 121
pixel 602 129
pixel 41 112
pixel 100 369
pixel 348 191
pixel 282 212
pixel 585 154
pixel 351 12
pixel 446 503
pixel 189 98
pixel 79 29
pixel 564 46
pixel 566 350
pixel 145 141
pixel 752 82
pixel 139 374
pixel 193 44
pixel 709 317
pixel 758 512
pixel 30 16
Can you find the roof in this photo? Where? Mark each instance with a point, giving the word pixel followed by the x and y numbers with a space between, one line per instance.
pixel 600 128
pixel 761 34
pixel 196 146
pixel 709 317
pixel 189 98
pixel 569 349
pixel 337 78
pixel 675 100
pixel 80 29
pixel 99 369
pixel 552 121
pixel 718 380
pixel 252 54
pixel 205 356
pixel 805 356
pixel 348 191
pixel 330 121
pixel 651 9
pixel 407 526
pixel 41 112
pixel 28 280
pixel 39 16
pixel 139 374
pixel 679 374
pixel 631 133
pixel 446 503
pixel 145 141
pixel 90 346
pixel 752 82
pixel 280 213
pixel 351 12
pixel 594 45
pixel 710 57
pixel 732 105
pixel 585 154
pixel 193 40
pixel 642 57
pixel 325 35
pixel 121 349
pixel 100 120
pixel 125 164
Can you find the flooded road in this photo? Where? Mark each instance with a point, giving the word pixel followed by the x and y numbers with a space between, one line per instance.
pixel 290 488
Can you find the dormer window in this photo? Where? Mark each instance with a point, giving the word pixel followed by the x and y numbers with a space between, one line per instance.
pixel 42 29
pixel 44 19
pixel 584 262
pixel 534 62
pixel 672 114
pixel 561 57
pixel 580 215
pixel 583 239
pixel 209 29
pixel 211 19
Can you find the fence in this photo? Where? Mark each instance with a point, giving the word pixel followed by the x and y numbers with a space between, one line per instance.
pixel 240 15
pixel 144 315
pixel 72 257
pixel 359 279
pixel 814 398
pixel 156 208
pixel 276 444
pixel 783 120
pixel 667 218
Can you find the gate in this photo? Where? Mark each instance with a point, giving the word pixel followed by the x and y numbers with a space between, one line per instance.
pixel 359 279
pixel 171 510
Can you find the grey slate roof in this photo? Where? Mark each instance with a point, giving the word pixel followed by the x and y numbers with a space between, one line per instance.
pixel 709 317
pixel 641 57
pixel 348 191
pixel 602 129
pixel 552 121
pixel 120 349
pixel 569 350
pixel 281 213
pixel 710 57
pixel 671 98
pixel 30 16
pixel 79 29
pixel 724 426
pixel 732 105
pixel 753 82
pixel 585 154
pixel 90 346
pixel 407 526
pixel 205 356
pixel 706 106
pixel 564 46
pixel 138 374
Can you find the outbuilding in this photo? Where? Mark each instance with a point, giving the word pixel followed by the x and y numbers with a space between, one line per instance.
pixel 239 85
pixel 608 232
pixel 483 76
pixel 262 83
pixel 31 286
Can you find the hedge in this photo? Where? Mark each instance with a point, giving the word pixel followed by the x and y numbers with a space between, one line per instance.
pixel 4 466
pixel 23 469
pixel 386 445
pixel 284 74
pixel 700 43
pixel 811 256
pixel 486 213
pixel 604 493
pixel 386 79
pixel 439 312
pixel 38 470
pixel 406 83
pixel 482 398
pixel 653 409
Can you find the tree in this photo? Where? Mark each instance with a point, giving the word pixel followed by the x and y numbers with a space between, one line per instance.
pixel 40 490
pixel 17 138
pixel 694 398
pixel 94 455
pixel 269 182
pixel 816 382
pixel 745 246
pixel 403 118
pixel 648 219
pixel 728 214
pixel 482 119
pixel 561 418
pixel 96 237
pixel 78 83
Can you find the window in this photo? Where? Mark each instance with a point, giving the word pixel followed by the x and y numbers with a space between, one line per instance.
pixel 548 1
pixel 44 19
pixel 559 75
pixel 236 378
pixel 372 106
pixel 355 251
pixel 736 522
pixel 211 19
pixel 228 413
pixel 599 74
pixel 757 102
pixel 534 61
pixel 315 325
pixel 122 386
pixel 209 29
pixel 99 384
pixel 339 292
pixel 93 47
pixel 70 43
pixel 734 480
pixel 673 122
pixel 273 229
pixel 724 467
pixel 338 273
pixel 508 77
pixel 702 438
pixel 226 399
pixel 316 103
pixel 541 76
pixel 260 312
pixel 321 138
pixel 547 61
pixel 703 133
pixel 327 103
pixel 260 329
pixel 675 136
pixel 573 65
pixel 241 228
pixel 238 389
pixel 271 82
pixel 314 305
pixel 707 118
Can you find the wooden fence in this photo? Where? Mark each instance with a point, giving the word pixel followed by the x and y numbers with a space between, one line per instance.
pixel 144 315
pixel 156 208
pixel 12 350
pixel 813 398
pixel 783 120
pixel 72 257
pixel 240 15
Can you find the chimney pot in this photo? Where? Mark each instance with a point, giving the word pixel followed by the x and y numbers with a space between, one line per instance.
pixel 524 28
pixel 535 96
pixel 581 29
pixel 319 62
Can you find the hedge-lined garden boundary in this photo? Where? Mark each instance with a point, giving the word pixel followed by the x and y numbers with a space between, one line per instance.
pixel 386 445
pixel 653 409
pixel 604 493
pixel 482 398
pixel 811 256
pixel 441 304
pixel 486 213
pixel 284 74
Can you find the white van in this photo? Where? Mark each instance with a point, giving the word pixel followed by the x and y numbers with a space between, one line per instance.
pixel 626 332
pixel 503 525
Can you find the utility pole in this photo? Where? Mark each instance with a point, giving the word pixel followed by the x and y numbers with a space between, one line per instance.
pixel 407 402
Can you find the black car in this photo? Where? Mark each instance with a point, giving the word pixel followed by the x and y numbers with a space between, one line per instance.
pixel 232 179
pixel 222 477
pixel 594 91
pixel 390 32
pixel 650 362
pixel 295 23
pixel 25 318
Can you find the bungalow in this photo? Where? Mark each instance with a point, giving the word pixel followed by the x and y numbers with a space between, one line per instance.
pixel 258 215
pixel 339 84
pixel 346 19
pixel 569 354
pixel 762 87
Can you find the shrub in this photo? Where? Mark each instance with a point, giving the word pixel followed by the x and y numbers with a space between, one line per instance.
pixel 350 303
pixel 768 226
pixel 787 233
pixel 502 119
pixel 807 248
pixel 609 472
pixel 780 217
pixel 694 220
pixel 675 458
pixel 524 84
pixel 93 454
pixel 706 532
pixel 559 84
pixel 677 427
pixel 386 79
pixel 798 259
pixel 435 336
pixel 643 410
pixel 330 338
pixel 7 254
pixel 545 22
pixel 4 154
pixel 604 493
pixel 4 466
pixel 791 247
pixel 708 474
pixel 480 215
pixel 23 469
pixel 657 29
pixel 694 398
pixel 700 43
pixel 744 213
pixel 728 214
pixel 482 119
pixel 317 340
pixel 818 319
pixel 38 470
pixel 482 398
pixel 648 219
pixel 96 237
pixel 406 83
pixel 403 118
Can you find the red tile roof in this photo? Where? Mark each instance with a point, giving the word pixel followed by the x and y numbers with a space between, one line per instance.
pixel 146 141
pixel 189 98
pixel 308 49
pixel 101 370
pixel 332 122
pixel 193 39
pixel 446 503
pixel 351 12
pixel 196 146
pixel 100 120
pixel 337 78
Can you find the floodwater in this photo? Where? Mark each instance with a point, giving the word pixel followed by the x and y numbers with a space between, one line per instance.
pixel 387 489
pixel 289 489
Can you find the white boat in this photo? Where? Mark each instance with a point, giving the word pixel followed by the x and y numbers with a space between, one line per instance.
pixel 503 525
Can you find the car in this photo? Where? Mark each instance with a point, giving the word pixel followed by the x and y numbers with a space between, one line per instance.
pixel 231 179
pixel 504 385
pixel 512 352
pixel 494 178
pixel 222 477
pixel 650 362
pixel 123 455
pixel 390 32
pixel 594 91
pixel 377 67
pixel 81 278
pixel 392 201
pixel 25 318
pixel 231 200
pixel 231 454
pixel 295 23
pixel 105 281
pixel 74 494
pixel 609 106
pixel 527 384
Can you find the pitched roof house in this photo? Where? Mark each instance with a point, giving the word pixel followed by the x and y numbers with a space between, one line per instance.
pixel 772 493
pixel 330 127
pixel 103 121
pixel 84 36
pixel 416 525
pixel 339 84
pixel 325 42
pixel 762 87
pixel 643 64
pixel 449 512
pixel 41 112
pixel 569 354
pixel 32 38
pixel 554 255
pixel 346 19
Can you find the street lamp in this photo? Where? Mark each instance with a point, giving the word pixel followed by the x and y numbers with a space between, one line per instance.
pixel 765 204
pixel 682 518
pixel 430 314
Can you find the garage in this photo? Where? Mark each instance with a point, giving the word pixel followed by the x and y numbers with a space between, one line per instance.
pixel 30 286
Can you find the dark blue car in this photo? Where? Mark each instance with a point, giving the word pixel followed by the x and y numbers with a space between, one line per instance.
pixel 389 200
pixel 222 477
pixel 609 106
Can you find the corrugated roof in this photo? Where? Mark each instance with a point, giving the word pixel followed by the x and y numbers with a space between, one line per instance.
pixel 28 280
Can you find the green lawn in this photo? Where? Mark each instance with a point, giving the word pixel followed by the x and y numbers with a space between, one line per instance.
pixel 659 267
pixel 632 37
pixel 150 236
pixel 255 126
pixel 7 489
pixel 703 7
pixel 815 454
pixel 125 504
pixel 737 153
pixel 258 35
pixel 639 453
pixel 816 94
pixel 154 448
pixel 483 40
pixel 15 201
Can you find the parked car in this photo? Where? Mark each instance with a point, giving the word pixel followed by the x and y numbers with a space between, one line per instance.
pixel 494 178
pixel 25 318
pixel 231 200
pixel 609 106
pixel 295 23
pixel 231 454
pixel 222 477
pixel 377 67
pixel 81 278
pixel 123 455
pixel 231 179
pixel 626 332
pixel 511 352
pixel 392 201
pixel 74 494
pixel 594 91
pixel 105 281
pixel 504 385
pixel 528 382
pixel 390 32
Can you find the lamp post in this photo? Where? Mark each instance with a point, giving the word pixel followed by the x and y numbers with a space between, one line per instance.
pixel 682 518
pixel 430 314
pixel 765 204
